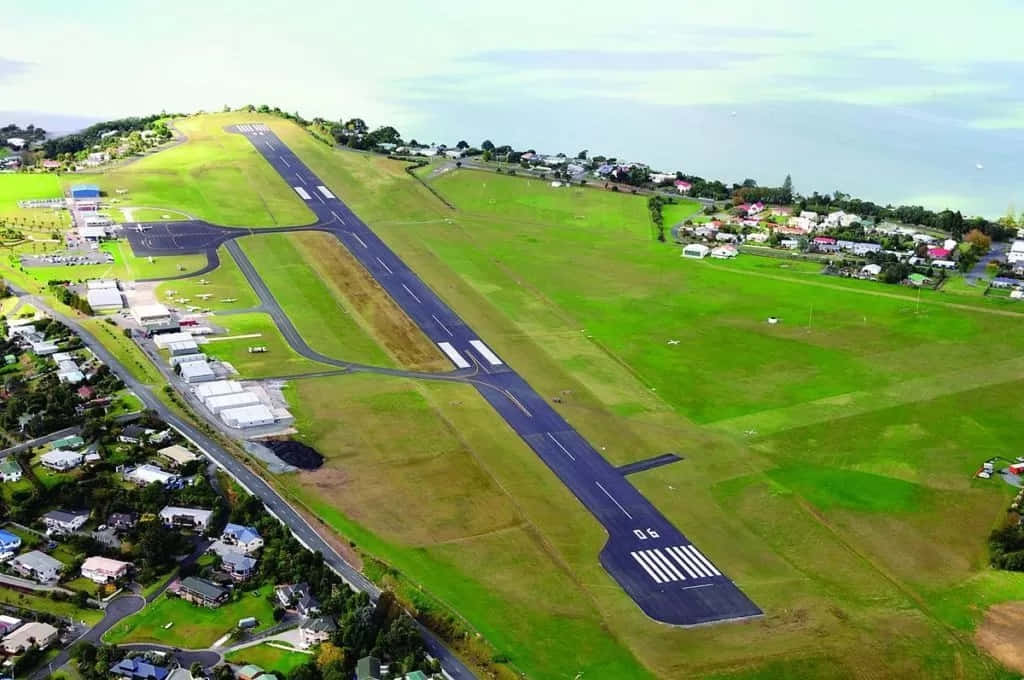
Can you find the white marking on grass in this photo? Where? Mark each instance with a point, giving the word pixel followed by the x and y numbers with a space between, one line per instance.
pixel 559 444
pixel 303 193
pixel 486 352
pixel 624 512
pixel 453 354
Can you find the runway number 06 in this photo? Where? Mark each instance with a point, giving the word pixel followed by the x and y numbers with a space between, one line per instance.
pixel 644 534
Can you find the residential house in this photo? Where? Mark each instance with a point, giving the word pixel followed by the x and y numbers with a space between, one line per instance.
pixel 938 253
pixel 37 565
pixel 825 244
pixel 70 443
pixel 755 209
pixel 138 668
pixel 923 238
pixel 42 635
pixel 61 460
pixel 146 474
pixel 195 518
pixel 314 631
pixel 10 469
pixel 683 186
pixel 177 454
pixel 65 522
pixel 122 521
pixel 202 592
pixel 249 672
pixel 240 567
pixel 105 570
pixel 297 597
pixel 8 623
pixel 1003 282
pixel 246 539
pixel 9 544
pixel 724 252
pixel 368 668
pixel 133 434
pixel 944 264
pixel 1016 252
pixel 726 237
pixel 871 270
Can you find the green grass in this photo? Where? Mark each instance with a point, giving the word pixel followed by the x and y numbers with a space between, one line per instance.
pixel 15 187
pixel 155 214
pixel 124 402
pixel 126 266
pixel 675 213
pixel 279 359
pixel 45 604
pixel 215 176
pixel 323 319
pixel 269 658
pixel 223 283
pixel 194 627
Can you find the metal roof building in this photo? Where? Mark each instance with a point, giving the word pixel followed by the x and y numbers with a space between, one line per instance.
pixel 217 388
pixel 85 191
pixel 226 401
pixel 196 371
pixel 104 298
pixel 247 416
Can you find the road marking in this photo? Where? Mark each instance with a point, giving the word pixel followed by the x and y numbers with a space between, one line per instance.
pixel 700 556
pixel 685 564
pixel 702 585
pixel 565 450
pixel 668 564
pixel 303 193
pixel 646 568
pixel 412 294
pixel 599 486
pixel 486 352
pixel 270 146
pixel 300 178
pixel 518 403
pixel 662 576
pixel 356 237
pixel 325 191
pixel 692 561
pixel 285 161
pixel 318 198
pixel 450 334
pixel 385 266
pixel 338 217
pixel 453 354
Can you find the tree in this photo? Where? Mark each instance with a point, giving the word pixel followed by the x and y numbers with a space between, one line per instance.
pixel 981 242
pixel 582 155
pixel 485 156
pixel 329 654
pixel 487 145
pixel 787 189
pixel 463 144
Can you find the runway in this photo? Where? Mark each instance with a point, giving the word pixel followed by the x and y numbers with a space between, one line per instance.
pixel 668 577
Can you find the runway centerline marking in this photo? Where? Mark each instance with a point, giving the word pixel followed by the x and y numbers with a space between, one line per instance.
pixel 285 161
pixel 412 294
pixel 559 444
pixel 385 266
pixel 356 237
pixel 300 178
pixel 445 328
pixel 338 217
pixel 624 511
pixel 518 403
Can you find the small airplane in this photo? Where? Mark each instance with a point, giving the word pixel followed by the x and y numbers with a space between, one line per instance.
pixel 204 296
pixel 203 282
pixel 673 342
pixel 182 301
pixel 229 299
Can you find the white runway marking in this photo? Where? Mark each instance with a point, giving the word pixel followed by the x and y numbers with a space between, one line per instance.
pixel 325 191
pixel 303 193
pixel 453 354
pixel 656 573
pixel 518 404
pixel 599 486
pixel 486 352
pixel 412 294
pixel 665 562
pixel 356 237
pixel 385 266
pixel 285 161
pixel 450 335
pixel 565 450
pixel 684 563
pixel 318 198
pixel 300 178
pixel 700 556
pixel 270 146
pixel 650 573
pixel 338 217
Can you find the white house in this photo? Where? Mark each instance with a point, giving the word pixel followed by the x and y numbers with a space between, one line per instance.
pixel 1016 253
pixel 697 251
pixel 10 470
pixel 61 460
pixel 197 518
pixel 726 237
pixel 37 565
pixel 104 570
pixel 944 264
pixel 246 539
pixel 64 522
pixel 871 270
pixel 146 474
pixel 724 252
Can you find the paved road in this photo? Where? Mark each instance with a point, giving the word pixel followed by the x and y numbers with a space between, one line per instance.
pixel 207 658
pixel 996 252
pixel 39 441
pixel 666 575
pixel 276 505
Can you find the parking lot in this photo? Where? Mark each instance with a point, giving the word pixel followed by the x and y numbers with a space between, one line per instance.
pixel 69 257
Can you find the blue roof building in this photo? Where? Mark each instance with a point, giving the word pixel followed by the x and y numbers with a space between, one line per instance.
pixel 247 539
pixel 138 669
pixel 9 543
pixel 85 191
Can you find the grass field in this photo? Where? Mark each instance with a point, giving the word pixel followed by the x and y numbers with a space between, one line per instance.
pixel 45 604
pixel 15 187
pixel 674 213
pixel 278 360
pixel 126 266
pixel 215 176
pixel 829 458
pixel 269 658
pixel 193 627
pixel 223 283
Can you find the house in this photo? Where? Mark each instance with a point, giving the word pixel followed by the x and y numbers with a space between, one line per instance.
pixel 724 252
pixel 998 282
pixel 726 237
pixel 757 237
pixel 249 672
pixel 683 186
pixel 298 598
pixel 246 539
pixel 696 251
pixel 133 434
pixel 147 474
pixel 938 253
pixel 122 521
pixel 825 244
pixel 9 544
pixel 195 518
pixel 65 522
pixel 865 248
pixel 368 668
pixel 755 209
pixel 70 442
pixel 10 470
pixel 314 631
pixel 8 623
pixel 415 675
pixel 871 270
pixel 104 569
pixel 240 567
pixel 1016 252
pixel 37 565
pixel 202 592
pixel 944 264
pixel 918 279
pixel 61 460
pixel 177 454
pixel 809 215
pixel 42 635
pixel 138 668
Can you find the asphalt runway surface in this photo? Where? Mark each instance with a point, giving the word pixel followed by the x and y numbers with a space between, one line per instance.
pixel 668 577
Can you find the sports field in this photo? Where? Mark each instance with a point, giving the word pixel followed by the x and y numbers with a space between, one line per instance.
pixel 214 176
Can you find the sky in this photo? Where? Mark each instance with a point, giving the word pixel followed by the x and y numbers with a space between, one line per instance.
pixel 892 101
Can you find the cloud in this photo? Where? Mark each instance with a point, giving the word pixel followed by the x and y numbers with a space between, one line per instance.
pixel 605 60
pixel 11 67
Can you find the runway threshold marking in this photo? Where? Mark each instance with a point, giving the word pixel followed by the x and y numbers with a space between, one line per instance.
pixel 412 294
pixel 385 266
pixel 559 444
pixel 303 193
pixel 486 352
pixel 624 511
pixel 438 321
pixel 338 217
pixel 453 354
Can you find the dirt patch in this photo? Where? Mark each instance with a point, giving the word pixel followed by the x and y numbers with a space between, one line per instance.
pixel 385 319
pixel 1001 634
pixel 295 453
